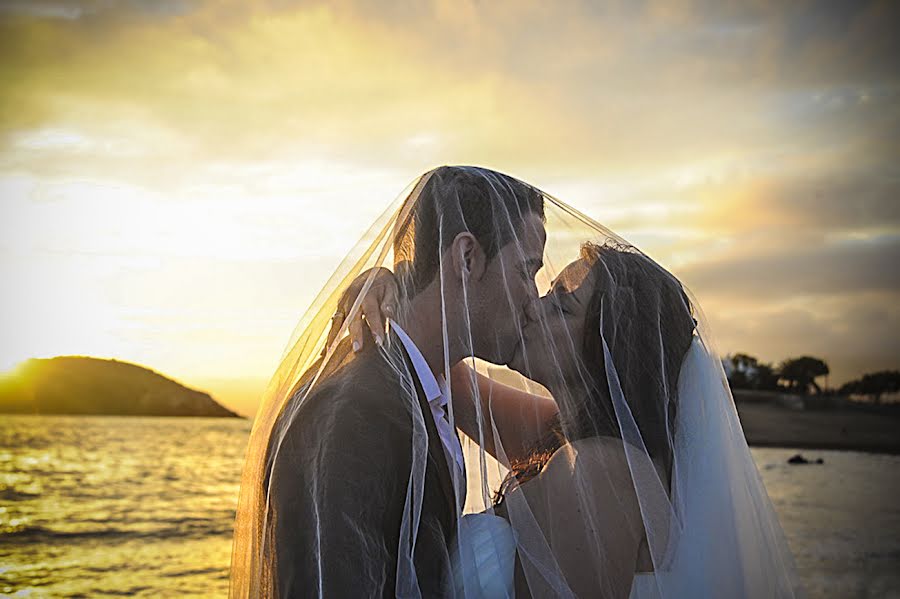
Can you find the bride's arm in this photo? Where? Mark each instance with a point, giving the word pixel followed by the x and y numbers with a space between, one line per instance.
pixel 521 418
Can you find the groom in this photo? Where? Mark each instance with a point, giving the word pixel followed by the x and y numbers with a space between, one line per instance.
pixel 359 504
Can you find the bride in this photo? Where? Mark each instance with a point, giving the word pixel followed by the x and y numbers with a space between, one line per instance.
pixel 633 480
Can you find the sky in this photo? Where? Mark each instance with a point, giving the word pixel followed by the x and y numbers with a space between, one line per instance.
pixel 178 178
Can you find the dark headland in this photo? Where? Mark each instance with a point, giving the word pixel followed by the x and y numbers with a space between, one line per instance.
pixel 91 386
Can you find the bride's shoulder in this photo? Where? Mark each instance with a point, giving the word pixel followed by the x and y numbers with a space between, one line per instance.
pixel 599 460
pixel 591 476
pixel 598 447
pixel 588 457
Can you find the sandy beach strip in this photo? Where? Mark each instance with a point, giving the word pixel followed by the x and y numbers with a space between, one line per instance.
pixel 782 421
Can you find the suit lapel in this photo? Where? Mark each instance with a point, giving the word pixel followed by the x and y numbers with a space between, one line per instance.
pixel 435 446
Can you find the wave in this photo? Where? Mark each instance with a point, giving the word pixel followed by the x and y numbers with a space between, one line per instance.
pixel 194 572
pixel 190 528
pixel 10 494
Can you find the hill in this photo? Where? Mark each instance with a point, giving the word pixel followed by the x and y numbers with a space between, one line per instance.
pixel 82 385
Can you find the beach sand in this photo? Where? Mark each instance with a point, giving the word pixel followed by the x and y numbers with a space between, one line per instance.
pixel 775 420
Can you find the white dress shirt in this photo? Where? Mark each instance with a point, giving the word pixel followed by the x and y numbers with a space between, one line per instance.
pixel 436 395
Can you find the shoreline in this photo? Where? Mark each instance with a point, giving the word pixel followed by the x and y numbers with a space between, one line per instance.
pixel 819 447
pixel 767 419
pixel 775 420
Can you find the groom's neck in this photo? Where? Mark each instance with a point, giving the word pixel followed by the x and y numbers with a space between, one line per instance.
pixel 424 323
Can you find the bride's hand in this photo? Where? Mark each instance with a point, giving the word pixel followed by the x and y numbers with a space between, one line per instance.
pixel 379 303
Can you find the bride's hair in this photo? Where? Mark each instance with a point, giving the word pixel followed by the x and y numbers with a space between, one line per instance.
pixel 489 205
pixel 648 326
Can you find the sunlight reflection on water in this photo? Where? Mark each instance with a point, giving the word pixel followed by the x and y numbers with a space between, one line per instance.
pixel 144 506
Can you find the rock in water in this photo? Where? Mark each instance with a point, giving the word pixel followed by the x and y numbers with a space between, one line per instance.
pixel 799 459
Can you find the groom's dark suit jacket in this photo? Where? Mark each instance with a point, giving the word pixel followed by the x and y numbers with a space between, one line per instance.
pixel 339 486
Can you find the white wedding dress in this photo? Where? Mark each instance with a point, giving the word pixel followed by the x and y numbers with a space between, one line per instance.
pixel 723 545
pixel 483 559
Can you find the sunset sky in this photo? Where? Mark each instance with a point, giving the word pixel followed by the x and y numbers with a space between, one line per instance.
pixel 179 178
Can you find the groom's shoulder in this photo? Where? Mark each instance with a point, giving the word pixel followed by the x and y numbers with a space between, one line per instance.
pixel 357 411
pixel 367 388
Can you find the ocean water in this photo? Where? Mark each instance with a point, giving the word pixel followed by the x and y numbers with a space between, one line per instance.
pixel 111 506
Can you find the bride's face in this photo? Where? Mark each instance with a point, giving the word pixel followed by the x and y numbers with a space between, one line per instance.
pixel 553 336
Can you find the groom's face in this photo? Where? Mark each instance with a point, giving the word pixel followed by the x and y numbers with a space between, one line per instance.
pixel 508 288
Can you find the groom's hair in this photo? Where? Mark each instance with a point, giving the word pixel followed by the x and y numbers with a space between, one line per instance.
pixel 489 205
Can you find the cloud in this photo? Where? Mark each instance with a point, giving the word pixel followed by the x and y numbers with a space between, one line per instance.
pixel 838 299
pixel 797 204
pixel 748 146
pixel 535 85
pixel 255 89
pixel 842 267
pixel 86 9
pixel 853 334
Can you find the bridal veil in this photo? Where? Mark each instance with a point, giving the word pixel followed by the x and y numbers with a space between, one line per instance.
pixel 368 474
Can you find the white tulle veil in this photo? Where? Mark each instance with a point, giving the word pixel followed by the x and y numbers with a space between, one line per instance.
pixel 344 489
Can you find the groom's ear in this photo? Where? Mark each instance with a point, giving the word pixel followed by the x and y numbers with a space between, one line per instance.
pixel 467 256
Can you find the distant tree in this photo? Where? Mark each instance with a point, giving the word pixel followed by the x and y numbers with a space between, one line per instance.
pixel 744 361
pixel 747 372
pixel 874 384
pixel 738 380
pixel 800 373
pixel 766 378
pixel 852 388
pixel 740 368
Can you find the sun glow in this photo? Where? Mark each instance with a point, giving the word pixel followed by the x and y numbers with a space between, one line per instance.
pixel 177 189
